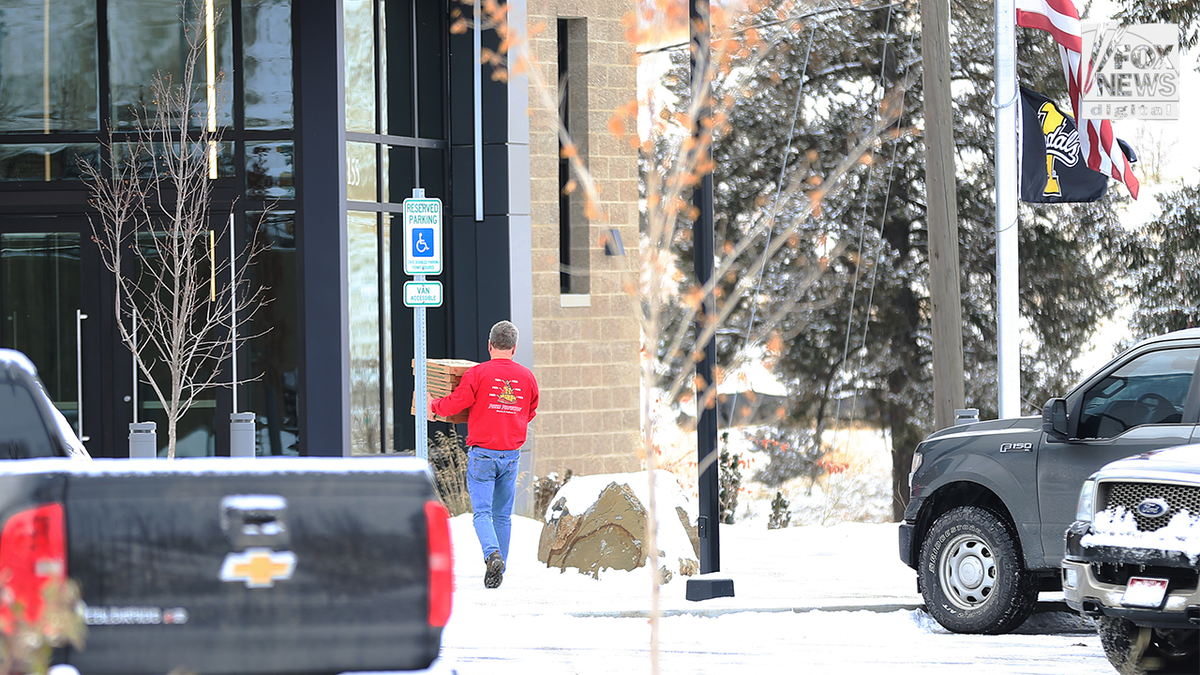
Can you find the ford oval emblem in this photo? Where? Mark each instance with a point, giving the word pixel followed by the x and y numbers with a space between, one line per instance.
pixel 1152 507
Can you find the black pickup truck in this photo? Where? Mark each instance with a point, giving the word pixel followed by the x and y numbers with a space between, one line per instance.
pixel 280 565
pixel 991 500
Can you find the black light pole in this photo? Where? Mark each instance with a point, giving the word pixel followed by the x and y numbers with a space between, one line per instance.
pixel 709 486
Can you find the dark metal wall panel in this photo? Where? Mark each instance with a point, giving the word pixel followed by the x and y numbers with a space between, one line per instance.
pixel 463 270
pixel 462 88
pixel 462 176
pixel 320 241
pixel 495 181
pixel 479 264
pixel 495 97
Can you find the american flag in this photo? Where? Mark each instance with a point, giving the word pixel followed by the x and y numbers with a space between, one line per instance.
pixel 1098 144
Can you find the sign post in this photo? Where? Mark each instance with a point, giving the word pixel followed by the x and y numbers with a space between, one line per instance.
pixel 422 255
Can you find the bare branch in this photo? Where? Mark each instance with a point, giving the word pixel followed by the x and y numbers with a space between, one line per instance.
pixel 157 237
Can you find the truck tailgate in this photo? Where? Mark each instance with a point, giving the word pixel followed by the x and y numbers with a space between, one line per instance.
pixel 282 569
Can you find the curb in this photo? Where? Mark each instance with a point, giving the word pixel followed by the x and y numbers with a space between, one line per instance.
pixel 1042 608
pixel 642 614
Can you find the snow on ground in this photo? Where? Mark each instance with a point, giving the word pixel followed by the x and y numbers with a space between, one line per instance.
pixel 826 595
pixel 544 621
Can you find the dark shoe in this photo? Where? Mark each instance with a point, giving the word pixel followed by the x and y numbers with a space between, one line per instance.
pixel 495 571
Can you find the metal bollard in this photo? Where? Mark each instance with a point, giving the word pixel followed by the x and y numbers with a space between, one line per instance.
pixel 241 434
pixel 143 441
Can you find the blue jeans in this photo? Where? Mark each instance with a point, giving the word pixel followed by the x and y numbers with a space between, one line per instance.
pixel 492 482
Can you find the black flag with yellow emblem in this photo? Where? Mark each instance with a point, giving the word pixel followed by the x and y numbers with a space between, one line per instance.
pixel 1052 168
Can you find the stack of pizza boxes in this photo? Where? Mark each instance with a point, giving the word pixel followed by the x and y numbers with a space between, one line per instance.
pixel 442 376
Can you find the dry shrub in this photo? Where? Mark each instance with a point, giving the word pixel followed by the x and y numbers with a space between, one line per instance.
pixel 544 490
pixel 448 458
pixel 26 646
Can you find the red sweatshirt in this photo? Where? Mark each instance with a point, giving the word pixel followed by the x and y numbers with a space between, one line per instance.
pixel 502 396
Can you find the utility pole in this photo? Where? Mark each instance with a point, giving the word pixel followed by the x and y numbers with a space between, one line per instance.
pixel 941 213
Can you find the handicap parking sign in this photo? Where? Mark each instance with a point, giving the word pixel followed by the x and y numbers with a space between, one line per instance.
pixel 422 236
pixel 422 242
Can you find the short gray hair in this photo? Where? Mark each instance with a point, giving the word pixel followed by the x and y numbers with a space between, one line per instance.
pixel 503 335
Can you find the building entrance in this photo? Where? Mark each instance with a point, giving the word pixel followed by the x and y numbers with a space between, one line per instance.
pixel 50 310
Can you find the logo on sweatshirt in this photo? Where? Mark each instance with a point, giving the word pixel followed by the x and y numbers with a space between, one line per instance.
pixel 507 395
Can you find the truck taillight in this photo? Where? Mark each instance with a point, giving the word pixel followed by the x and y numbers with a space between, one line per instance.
pixel 441 563
pixel 33 554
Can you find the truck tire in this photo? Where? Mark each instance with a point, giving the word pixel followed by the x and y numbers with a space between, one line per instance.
pixel 1137 650
pixel 971 574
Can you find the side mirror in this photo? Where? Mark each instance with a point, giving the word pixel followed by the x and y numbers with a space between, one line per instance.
pixel 1054 419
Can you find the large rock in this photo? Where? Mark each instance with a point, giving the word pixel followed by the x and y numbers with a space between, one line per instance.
pixel 611 533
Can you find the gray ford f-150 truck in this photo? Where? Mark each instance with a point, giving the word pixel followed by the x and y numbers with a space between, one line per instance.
pixel 273 565
pixel 991 500
pixel 1133 560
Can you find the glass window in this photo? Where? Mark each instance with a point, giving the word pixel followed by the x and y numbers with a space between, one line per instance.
pixel 410 30
pixel 398 180
pixel 195 429
pixel 147 39
pixel 385 288
pixel 46 161
pixel 428 30
pixel 274 354
pixel 359 36
pixel 225 162
pixel 1151 389
pixel 360 172
pixel 267 63
pixel 39 294
pixel 269 171
pixel 433 172
pixel 365 414
pixel 396 67
pixel 399 171
pixel 48 66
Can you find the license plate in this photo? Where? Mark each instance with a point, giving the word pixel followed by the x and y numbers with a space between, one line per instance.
pixel 1144 592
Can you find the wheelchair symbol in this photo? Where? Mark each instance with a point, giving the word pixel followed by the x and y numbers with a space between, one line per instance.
pixel 421 242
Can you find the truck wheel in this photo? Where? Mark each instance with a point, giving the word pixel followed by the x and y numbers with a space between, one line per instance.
pixel 1137 650
pixel 971 574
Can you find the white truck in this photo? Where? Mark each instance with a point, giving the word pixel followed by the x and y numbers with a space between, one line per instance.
pixel 1133 560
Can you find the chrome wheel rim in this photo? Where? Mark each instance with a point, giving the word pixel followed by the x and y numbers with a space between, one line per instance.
pixel 967 571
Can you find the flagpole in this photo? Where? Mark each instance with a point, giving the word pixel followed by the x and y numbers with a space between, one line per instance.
pixel 1008 312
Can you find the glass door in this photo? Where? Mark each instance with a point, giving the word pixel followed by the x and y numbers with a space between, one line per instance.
pixel 56 306
pixel 42 313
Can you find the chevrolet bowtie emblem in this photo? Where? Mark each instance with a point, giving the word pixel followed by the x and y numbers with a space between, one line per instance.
pixel 258 567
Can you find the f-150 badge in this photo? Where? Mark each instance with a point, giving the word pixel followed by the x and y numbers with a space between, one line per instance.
pixel 258 567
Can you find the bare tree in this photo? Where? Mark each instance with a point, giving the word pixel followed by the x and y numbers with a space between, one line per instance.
pixel 676 150
pixel 1154 151
pixel 176 303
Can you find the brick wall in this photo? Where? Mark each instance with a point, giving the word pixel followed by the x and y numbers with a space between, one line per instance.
pixel 585 342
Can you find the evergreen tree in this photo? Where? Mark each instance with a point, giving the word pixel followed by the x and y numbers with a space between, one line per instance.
pixel 1164 266
pixel 863 327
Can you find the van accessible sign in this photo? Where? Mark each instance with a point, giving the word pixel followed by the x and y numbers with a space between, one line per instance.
pixel 1133 72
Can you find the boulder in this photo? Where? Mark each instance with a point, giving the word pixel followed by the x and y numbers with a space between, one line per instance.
pixel 611 533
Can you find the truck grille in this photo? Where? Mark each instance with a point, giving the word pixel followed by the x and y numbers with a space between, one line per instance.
pixel 1129 495
pixel 1178 578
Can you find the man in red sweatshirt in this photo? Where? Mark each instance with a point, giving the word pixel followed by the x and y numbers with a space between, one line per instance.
pixel 502 398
